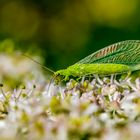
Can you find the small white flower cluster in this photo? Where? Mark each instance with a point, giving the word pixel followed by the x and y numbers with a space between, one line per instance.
pixel 96 108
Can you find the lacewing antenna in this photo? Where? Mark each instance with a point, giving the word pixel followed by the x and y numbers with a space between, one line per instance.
pixel 53 77
pixel 48 69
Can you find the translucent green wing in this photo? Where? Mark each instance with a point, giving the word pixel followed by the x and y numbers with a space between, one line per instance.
pixel 125 52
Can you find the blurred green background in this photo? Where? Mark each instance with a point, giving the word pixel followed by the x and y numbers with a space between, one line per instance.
pixel 63 32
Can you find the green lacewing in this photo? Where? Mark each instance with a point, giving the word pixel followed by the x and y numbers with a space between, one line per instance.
pixel 118 58
pixel 121 57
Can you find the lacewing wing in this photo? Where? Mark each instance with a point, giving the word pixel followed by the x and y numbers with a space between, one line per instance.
pixel 125 52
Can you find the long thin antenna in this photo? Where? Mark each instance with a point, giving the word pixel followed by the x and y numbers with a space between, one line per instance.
pixel 38 63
